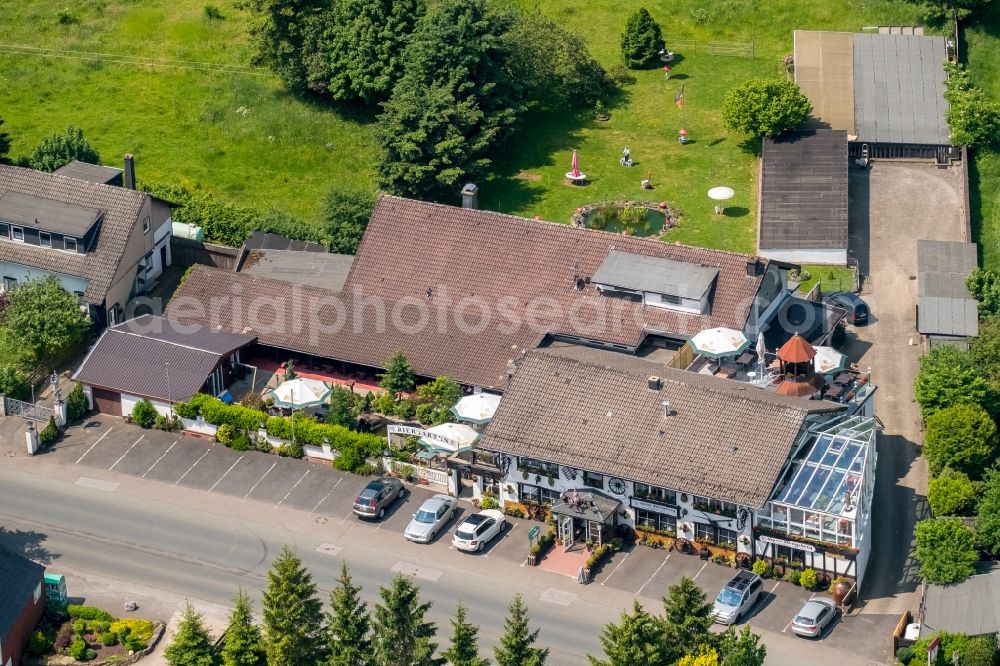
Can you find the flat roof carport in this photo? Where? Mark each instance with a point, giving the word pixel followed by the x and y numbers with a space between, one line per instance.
pixel 824 70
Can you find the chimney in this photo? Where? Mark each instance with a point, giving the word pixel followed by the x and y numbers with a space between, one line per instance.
pixel 753 267
pixel 666 409
pixel 129 171
pixel 655 383
pixel 470 196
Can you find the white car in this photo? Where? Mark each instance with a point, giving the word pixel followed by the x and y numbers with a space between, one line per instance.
pixel 430 518
pixel 478 530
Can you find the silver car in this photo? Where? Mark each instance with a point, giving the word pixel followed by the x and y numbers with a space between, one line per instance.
pixel 430 519
pixel 814 617
pixel 737 597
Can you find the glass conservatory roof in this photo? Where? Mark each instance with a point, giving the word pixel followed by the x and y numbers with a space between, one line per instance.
pixel 832 468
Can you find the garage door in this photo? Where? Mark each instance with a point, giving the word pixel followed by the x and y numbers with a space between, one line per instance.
pixel 107 402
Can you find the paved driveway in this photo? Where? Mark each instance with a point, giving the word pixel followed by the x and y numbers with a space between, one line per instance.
pixel 892 206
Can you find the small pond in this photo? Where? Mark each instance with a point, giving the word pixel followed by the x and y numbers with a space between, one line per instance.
pixel 631 218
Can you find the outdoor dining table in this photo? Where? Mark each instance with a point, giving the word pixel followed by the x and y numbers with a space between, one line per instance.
pixel 842 378
pixel 832 391
pixel 745 359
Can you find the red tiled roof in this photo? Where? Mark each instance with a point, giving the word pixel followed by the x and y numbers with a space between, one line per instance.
pixel 412 246
pixel 119 205
pixel 801 388
pixel 796 350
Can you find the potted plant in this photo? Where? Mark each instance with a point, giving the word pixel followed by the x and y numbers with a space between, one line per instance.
pixel 840 588
pixel 590 545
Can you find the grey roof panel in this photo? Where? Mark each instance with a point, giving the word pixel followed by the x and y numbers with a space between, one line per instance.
pixel 316 269
pixel 899 85
pixel 947 316
pixel 38 212
pixel 19 577
pixel 655 274
pixel 201 338
pixel 269 241
pixel 969 607
pixel 804 191
pixel 94 173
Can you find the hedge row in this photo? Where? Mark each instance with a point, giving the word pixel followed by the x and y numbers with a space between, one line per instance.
pixel 307 430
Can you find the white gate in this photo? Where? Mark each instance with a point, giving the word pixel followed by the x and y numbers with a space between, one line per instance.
pixel 566 531
pixel 26 410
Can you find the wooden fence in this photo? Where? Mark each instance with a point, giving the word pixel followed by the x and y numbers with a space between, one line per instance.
pixel 187 252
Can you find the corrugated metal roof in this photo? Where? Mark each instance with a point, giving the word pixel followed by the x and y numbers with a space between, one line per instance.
pixel 269 241
pixel 944 304
pixel 947 316
pixel 655 274
pixel 803 200
pixel 970 607
pixel 37 212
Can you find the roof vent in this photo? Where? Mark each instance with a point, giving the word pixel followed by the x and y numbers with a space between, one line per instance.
pixel 666 409
pixel 580 283
pixel 655 383
pixel 754 268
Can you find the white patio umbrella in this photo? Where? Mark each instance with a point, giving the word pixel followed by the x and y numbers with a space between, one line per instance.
pixel 301 392
pixel 719 342
pixel 450 438
pixel 721 194
pixel 478 408
pixel 828 360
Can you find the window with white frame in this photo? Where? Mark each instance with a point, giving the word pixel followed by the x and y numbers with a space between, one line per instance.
pixel 145 225
pixel 704 532
pixel 725 538
pixel 652 520
pixel 69 244
pixel 17 234
pixel 643 491
pixel 44 239
pixel 593 480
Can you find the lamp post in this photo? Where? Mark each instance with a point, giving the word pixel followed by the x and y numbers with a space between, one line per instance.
pixel 170 398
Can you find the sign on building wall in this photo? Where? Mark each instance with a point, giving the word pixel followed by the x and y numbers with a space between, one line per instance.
pixel 420 432
pixel 655 508
pixel 788 544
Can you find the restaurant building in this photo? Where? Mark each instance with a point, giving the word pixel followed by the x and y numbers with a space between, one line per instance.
pixel 611 443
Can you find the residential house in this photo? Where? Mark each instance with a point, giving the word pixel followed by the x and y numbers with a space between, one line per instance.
pixel 106 244
pixel 22 602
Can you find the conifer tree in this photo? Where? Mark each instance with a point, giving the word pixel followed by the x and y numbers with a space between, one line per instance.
pixel 400 635
pixel 636 640
pixel 243 645
pixel 347 625
pixel 464 650
pixel 686 620
pixel 191 644
pixel 516 646
pixel 293 614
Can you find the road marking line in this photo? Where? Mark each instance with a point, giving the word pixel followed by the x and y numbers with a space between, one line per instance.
pixel 192 466
pixel 329 549
pixel 775 587
pixel 650 579
pixel 417 571
pixel 699 571
pixel 97 484
pixel 259 480
pixel 141 437
pixel 523 563
pixel 615 569
pixel 344 519
pixel 225 474
pixel 293 488
pixel 92 446
pixel 159 459
pixel 554 596
pixel 786 627
pixel 326 496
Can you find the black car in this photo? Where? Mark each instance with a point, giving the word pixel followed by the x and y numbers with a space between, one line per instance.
pixel 377 496
pixel 857 309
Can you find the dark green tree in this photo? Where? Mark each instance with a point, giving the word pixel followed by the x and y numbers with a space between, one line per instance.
pixel 60 148
pixel 293 614
pixel 365 43
pixel 742 649
pixel 940 12
pixel 191 644
pixel 77 404
pixel 400 635
pixel 144 414
pixel 347 625
pixel 946 550
pixel 984 285
pixel 455 103
pixel 4 144
pixel 242 644
pixel 43 321
pixel 14 383
pixel 464 648
pixel 988 518
pixel 554 64
pixel 949 376
pixel 951 493
pixel 765 107
pixel 517 643
pixel 637 639
pixel 980 651
pixel 687 617
pixel 398 376
pixel 962 437
pixel 286 37
pixel 340 411
pixel 345 215
pixel 642 40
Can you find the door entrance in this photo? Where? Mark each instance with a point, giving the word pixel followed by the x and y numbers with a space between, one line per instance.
pixel 566 531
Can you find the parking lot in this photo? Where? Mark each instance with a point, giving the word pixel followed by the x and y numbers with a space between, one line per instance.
pixel 109 445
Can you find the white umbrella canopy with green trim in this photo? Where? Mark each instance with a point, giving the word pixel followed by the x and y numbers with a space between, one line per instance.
pixel 828 360
pixel 719 342
pixel 300 393
pixel 478 408
pixel 450 438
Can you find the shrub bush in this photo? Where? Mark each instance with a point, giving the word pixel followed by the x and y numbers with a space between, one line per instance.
pixel 213 13
pixel 89 655
pixel 620 76
pixel 38 643
pixel 793 576
pixel 488 502
pixel 224 435
pixel 135 645
pixel 240 442
pixel 78 649
pixel 14 383
pixel 144 414
pixel 79 627
pixel 348 460
pixel 760 568
pixel 133 627
pixel 808 579
pixel 49 433
pixel 904 655
pixel 109 638
pixel 78 612
pixel 368 469
pixel 64 639
pixel 76 403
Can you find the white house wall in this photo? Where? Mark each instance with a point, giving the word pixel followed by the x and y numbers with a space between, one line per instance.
pixel 25 273
pixel 835 257
pixel 129 401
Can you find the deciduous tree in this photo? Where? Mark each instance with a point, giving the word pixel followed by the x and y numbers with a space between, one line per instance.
pixel 636 639
pixel 962 437
pixel 340 411
pixel 43 320
pixel 14 383
pixel 517 643
pixel 464 648
pixel 951 493
pixel 949 376
pixel 293 614
pixel 345 215
pixel 642 40
pixel 191 645
pixel 243 644
pixel 988 518
pixel 400 635
pixel 347 625
pixel 284 34
pixel 765 107
pixel 946 550
pixel 60 148
pixel 984 285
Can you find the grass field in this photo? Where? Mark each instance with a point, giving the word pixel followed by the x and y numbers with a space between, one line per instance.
pixel 238 134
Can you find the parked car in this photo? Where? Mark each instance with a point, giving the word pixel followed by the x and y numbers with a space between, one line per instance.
pixel 430 518
pixel 857 309
pixel 737 597
pixel 478 530
pixel 814 617
pixel 378 496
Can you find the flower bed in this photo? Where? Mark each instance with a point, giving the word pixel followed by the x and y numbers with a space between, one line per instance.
pixel 541 547
pixel 88 634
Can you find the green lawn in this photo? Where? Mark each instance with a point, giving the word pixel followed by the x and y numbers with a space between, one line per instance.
pixel 833 278
pixel 982 44
pixel 241 136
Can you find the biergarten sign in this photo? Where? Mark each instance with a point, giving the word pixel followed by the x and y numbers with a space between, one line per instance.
pixel 788 544
pixel 425 434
